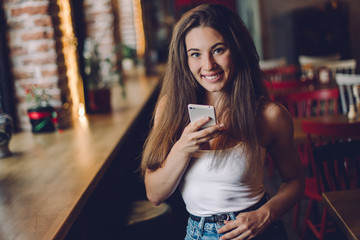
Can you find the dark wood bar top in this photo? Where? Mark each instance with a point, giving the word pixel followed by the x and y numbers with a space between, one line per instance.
pixel 49 177
pixel 344 208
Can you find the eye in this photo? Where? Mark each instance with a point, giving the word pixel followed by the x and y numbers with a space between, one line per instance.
pixel 195 55
pixel 218 50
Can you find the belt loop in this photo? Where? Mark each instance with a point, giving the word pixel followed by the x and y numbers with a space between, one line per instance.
pixel 232 216
pixel 201 227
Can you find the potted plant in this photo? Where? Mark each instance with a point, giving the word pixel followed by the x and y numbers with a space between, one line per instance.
pixel 97 83
pixel 129 57
pixel 41 114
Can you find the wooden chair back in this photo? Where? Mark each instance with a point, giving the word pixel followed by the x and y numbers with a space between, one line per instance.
pixel 282 74
pixel 310 102
pixel 334 155
pixel 272 63
pixel 347 83
pixel 341 66
pixel 310 64
pixel 314 60
pixel 288 85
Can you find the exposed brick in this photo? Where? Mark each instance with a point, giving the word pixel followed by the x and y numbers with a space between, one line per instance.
pixel 49 85
pixel 45 21
pixel 23 75
pixel 40 61
pixel 37 35
pixel 31 10
pixel 56 97
pixel 46 85
pixel 49 73
pixel 18 50
pixel 45 47
pixel 16 25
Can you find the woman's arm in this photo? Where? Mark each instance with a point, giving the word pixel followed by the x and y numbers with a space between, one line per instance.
pixel 285 155
pixel 277 132
pixel 161 183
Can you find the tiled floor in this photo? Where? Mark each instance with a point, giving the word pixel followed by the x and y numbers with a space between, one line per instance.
pixel 272 182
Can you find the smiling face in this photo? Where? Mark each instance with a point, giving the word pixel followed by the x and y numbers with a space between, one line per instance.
pixel 209 58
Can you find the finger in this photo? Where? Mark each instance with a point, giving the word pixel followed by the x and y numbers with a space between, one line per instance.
pixel 215 134
pixel 212 129
pixel 212 132
pixel 203 140
pixel 199 123
pixel 236 235
pixel 229 225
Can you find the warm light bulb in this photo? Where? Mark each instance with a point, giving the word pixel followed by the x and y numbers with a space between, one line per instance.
pixel 81 110
pixel 70 56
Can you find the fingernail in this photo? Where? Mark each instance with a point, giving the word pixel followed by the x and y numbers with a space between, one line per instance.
pixel 222 125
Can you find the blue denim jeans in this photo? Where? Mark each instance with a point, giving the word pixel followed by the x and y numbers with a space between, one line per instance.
pixel 201 230
pixel 208 231
pixel 204 231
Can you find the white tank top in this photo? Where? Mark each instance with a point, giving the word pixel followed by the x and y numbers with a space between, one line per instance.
pixel 208 190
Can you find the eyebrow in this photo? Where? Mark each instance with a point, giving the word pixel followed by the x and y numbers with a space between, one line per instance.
pixel 212 47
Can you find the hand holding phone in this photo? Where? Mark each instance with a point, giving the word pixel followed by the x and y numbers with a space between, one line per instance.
pixel 198 111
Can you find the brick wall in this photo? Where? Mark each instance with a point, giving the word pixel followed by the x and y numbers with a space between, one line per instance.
pixel 102 28
pixel 32 51
pixel 36 50
pixel 127 25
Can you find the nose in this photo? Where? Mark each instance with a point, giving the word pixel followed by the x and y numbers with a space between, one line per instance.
pixel 209 62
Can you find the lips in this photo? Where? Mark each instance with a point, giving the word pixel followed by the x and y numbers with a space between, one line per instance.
pixel 212 77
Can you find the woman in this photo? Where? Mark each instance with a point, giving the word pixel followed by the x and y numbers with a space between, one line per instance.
pixel 219 170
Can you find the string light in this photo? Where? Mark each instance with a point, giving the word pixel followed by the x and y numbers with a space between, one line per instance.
pixel 69 42
pixel 139 29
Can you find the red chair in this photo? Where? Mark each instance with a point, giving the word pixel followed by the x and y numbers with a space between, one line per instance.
pixel 285 78
pixel 282 73
pixel 293 84
pixel 302 104
pixel 310 102
pixel 335 164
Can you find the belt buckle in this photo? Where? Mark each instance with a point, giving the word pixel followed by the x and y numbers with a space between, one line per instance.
pixel 220 218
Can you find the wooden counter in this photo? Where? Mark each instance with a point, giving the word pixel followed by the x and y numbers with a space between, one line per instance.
pixel 344 208
pixel 47 181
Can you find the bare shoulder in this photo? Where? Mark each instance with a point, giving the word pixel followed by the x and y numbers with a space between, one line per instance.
pixel 276 122
pixel 273 112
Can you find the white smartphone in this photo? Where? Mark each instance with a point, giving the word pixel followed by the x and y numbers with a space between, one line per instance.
pixel 197 111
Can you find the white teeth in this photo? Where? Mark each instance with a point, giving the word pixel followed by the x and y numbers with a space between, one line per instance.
pixel 212 77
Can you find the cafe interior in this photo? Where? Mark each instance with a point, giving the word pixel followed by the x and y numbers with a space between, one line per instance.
pixel 79 83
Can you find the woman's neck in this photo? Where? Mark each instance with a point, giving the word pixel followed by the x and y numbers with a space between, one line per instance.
pixel 212 98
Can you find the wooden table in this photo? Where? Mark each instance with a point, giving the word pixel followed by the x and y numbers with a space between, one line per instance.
pixel 344 208
pixel 343 205
pixel 300 136
pixel 48 179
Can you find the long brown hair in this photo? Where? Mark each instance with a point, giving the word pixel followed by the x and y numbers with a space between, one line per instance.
pixel 240 99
